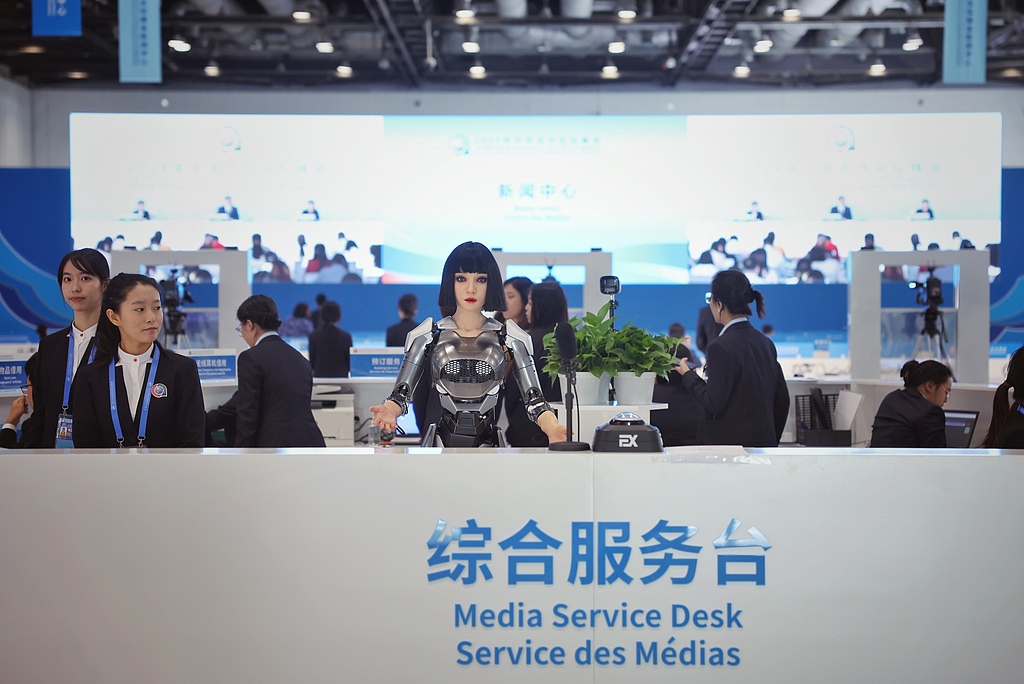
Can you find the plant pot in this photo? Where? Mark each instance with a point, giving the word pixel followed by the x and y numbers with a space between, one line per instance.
pixel 632 390
pixel 590 390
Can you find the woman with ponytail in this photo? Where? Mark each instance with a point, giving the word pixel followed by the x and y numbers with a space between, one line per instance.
pixel 912 417
pixel 136 393
pixel 745 397
pixel 1006 431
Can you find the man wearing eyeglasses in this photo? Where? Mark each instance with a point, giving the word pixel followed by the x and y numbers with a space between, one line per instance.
pixel 21 407
pixel 707 328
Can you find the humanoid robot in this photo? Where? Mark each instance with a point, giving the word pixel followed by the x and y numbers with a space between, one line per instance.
pixel 468 374
pixel 467 355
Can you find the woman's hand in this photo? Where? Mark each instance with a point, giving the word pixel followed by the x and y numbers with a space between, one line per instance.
pixel 19 408
pixel 549 424
pixel 385 416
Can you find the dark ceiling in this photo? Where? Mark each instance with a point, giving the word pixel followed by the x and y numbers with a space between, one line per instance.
pixel 419 43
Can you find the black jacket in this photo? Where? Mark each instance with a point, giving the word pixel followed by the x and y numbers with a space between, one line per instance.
pixel 397 333
pixel 908 420
pixel 275 384
pixel 9 438
pixel 707 329
pixel 523 432
pixel 329 349
pixel 745 398
pixel 680 423
pixel 176 419
pixel 49 395
pixel 1012 434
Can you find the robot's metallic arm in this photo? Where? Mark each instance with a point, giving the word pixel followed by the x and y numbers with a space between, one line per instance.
pixel 521 346
pixel 417 342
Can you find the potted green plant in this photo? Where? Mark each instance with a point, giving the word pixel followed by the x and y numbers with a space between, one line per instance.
pixel 604 352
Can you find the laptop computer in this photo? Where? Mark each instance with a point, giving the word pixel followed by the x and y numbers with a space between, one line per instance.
pixel 960 428
pixel 408 425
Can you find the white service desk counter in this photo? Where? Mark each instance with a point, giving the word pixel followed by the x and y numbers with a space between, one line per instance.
pixel 697 564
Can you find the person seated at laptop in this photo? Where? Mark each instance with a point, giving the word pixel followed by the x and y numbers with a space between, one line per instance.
pixel 1006 431
pixel 912 417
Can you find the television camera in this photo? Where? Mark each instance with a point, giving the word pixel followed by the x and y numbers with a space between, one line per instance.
pixel 933 334
pixel 175 294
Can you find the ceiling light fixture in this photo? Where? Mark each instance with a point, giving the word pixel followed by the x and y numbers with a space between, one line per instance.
pixel 609 70
pixel 32 49
pixel 670 63
pixel 913 41
pixel 477 70
pixel 464 10
pixel 472 43
pixel 212 69
pixel 299 15
pixel 741 70
pixel 178 44
pixel 78 74
pixel 344 70
pixel 617 47
pixel 325 47
pixel 791 12
pixel 627 10
pixel 763 45
pixel 878 68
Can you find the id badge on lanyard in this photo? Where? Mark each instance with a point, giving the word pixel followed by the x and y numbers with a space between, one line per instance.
pixel 64 423
pixel 144 417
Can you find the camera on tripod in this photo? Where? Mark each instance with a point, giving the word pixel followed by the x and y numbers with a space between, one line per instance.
pixel 929 293
pixel 175 294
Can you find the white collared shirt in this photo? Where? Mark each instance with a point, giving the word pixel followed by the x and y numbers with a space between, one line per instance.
pixel 134 374
pixel 729 324
pixel 81 338
pixel 264 336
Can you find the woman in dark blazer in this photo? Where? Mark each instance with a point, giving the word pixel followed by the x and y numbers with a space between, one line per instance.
pixel 1006 431
pixel 745 397
pixel 82 276
pixel 158 400
pixel 546 307
pixel 329 346
pixel 912 417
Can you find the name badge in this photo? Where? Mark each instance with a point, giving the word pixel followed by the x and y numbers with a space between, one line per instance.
pixel 64 432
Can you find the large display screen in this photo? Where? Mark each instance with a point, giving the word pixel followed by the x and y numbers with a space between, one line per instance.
pixel 674 198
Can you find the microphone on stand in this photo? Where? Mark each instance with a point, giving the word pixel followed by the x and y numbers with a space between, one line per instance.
pixel 565 340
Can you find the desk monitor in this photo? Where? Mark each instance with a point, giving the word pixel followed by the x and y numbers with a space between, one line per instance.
pixel 960 428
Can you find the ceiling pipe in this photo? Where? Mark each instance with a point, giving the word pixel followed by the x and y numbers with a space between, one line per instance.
pixel 785 39
pixel 843 35
pixel 245 36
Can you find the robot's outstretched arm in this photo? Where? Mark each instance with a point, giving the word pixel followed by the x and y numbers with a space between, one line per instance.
pixel 521 346
pixel 417 342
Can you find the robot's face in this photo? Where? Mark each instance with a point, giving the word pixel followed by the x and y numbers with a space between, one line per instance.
pixel 470 290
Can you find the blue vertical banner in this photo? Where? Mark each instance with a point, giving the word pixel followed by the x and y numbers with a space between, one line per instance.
pixel 56 17
pixel 964 41
pixel 139 44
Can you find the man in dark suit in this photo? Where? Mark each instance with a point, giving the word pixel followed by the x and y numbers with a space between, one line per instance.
pixel 19 408
pixel 707 329
pixel 841 209
pixel 408 306
pixel 228 209
pixel 275 384
pixel 330 346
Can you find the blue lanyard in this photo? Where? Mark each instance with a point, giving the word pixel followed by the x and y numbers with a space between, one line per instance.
pixel 1020 409
pixel 69 372
pixel 145 401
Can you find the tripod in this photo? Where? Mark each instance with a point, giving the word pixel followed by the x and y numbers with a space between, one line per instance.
pixel 175 336
pixel 933 338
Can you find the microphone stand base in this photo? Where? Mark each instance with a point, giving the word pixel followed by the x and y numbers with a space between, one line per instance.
pixel 569 446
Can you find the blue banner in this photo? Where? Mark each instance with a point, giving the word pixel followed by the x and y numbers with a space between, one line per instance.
pixel 216 367
pixel 381 362
pixel 964 41
pixel 56 17
pixel 12 375
pixel 140 43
